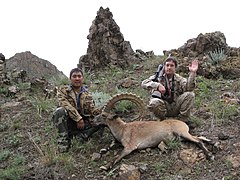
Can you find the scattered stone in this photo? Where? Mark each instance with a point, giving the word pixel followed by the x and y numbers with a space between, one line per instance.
pixel 190 156
pixel 223 136
pixel 148 150
pixel 163 147
pixel 96 156
pixel 235 160
pixel 129 172
pixel 103 151
pixel 104 168
pixel 126 83
pixel 12 91
pixel 143 168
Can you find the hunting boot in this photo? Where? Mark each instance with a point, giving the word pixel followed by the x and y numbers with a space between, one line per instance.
pixel 157 107
pixel 187 120
pixel 158 112
pixel 87 133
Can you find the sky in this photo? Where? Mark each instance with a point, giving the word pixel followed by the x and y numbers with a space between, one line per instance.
pixel 56 30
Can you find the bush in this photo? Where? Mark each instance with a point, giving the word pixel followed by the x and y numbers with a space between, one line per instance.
pixel 216 56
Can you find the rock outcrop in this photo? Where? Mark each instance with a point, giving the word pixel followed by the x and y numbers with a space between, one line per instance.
pixel 106 46
pixel 201 48
pixel 2 69
pixel 198 47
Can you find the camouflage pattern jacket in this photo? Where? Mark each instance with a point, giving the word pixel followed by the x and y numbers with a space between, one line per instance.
pixel 78 105
pixel 181 84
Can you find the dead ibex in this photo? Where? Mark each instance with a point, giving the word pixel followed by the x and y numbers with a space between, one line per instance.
pixel 143 134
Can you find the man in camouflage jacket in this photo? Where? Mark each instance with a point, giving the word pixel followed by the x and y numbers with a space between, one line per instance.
pixel 76 108
pixel 172 94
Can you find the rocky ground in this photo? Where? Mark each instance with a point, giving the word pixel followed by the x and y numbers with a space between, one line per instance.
pixel 28 149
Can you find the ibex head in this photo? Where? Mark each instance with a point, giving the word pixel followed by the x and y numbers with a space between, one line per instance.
pixel 104 118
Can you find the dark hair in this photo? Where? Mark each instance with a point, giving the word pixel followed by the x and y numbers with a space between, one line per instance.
pixel 75 70
pixel 171 58
pixel 2 57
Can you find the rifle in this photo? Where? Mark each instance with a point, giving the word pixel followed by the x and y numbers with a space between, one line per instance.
pixel 159 73
pixel 159 70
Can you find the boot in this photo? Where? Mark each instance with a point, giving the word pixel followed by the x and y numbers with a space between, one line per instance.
pixel 90 131
pixel 183 118
pixel 187 120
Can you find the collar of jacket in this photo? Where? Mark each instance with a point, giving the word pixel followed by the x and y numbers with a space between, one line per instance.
pixel 82 89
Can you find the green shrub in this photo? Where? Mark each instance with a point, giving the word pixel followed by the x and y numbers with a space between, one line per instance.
pixel 173 144
pixel 81 147
pixel 43 105
pixel 4 155
pixel 14 140
pixel 3 90
pixel 15 170
pixel 24 86
pixel 124 106
pixel 58 80
pixel 100 98
pixel 222 112
pixel 162 167
pixel 19 160
pixel 216 56
pixel 67 161
pixel 12 173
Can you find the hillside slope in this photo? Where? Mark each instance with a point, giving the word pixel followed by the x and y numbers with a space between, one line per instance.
pixel 28 149
pixel 33 65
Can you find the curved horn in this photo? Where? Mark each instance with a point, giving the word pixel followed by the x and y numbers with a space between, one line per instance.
pixel 127 96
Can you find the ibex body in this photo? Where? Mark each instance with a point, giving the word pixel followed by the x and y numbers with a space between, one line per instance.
pixel 143 134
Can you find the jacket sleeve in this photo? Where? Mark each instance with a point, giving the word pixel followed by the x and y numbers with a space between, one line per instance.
pixel 149 84
pixel 189 84
pixel 68 103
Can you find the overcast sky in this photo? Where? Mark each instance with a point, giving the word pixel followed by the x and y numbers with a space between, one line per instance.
pixel 56 30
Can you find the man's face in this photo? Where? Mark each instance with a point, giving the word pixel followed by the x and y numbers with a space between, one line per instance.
pixel 170 68
pixel 76 79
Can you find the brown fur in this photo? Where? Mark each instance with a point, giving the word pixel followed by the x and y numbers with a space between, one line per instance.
pixel 143 134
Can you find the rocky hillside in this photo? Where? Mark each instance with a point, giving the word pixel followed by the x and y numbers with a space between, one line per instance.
pixel 34 66
pixel 28 138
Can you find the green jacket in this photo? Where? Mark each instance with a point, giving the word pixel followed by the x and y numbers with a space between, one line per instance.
pixel 78 105
pixel 181 84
